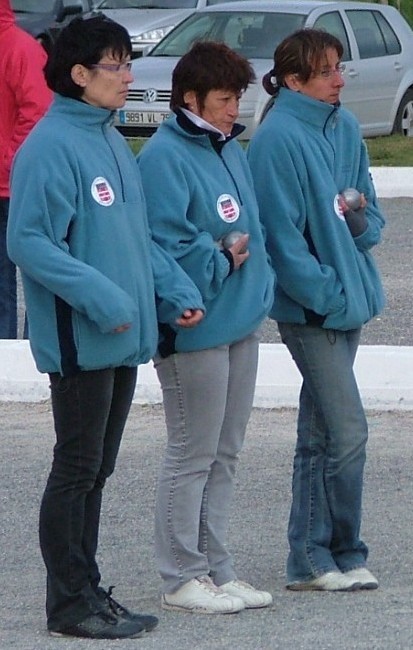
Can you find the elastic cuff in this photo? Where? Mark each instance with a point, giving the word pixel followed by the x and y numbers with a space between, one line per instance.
pixel 230 259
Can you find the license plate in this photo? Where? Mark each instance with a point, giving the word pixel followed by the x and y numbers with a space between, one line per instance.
pixel 145 118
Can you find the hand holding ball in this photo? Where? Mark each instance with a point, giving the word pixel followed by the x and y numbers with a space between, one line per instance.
pixel 352 198
pixel 229 240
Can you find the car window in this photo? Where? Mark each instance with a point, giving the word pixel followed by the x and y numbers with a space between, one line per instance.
pixel 373 34
pixel 252 34
pixel 333 23
pixel 147 4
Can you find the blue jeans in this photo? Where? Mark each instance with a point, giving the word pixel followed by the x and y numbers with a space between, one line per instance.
pixel 8 292
pixel 325 517
pixel 90 411
pixel 208 397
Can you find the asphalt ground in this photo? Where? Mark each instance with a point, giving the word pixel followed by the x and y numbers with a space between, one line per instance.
pixel 376 620
pixel 379 620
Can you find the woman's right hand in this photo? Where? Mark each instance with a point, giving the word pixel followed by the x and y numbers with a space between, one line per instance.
pixel 239 251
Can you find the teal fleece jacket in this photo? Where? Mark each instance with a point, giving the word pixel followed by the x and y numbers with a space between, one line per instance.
pixel 78 231
pixel 195 195
pixel 302 156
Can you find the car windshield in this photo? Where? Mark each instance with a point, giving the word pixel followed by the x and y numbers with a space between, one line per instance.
pixel 147 4
pixel 254 35
pixel 33 6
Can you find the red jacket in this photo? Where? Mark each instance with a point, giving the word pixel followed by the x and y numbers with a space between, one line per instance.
pixel 24 95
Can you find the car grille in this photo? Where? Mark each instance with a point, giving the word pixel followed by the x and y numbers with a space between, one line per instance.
pixel 137 95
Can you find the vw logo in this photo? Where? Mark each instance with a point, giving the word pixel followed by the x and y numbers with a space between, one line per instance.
pixel 150 95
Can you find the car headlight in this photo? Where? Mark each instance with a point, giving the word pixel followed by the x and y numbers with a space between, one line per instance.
pixel 152 35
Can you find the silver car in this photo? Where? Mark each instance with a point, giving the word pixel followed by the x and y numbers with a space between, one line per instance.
pixel 147 21
pixel 378 53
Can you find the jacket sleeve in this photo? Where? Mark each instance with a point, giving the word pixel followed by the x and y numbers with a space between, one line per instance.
pixel 279 177
pixel 375 219
pixel 31 93
pixel 42 210
pixel 175 291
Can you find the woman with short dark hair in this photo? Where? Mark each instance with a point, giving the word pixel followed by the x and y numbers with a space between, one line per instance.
pixel 202 210
pixel 78 231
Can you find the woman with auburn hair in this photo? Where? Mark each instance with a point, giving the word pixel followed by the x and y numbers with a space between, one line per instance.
pixel 205 202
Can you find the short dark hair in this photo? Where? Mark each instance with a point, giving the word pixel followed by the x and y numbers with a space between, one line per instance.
pixel 300 53
pixel 84 41
pixel 209 66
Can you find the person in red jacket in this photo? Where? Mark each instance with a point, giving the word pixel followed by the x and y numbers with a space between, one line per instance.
pixel 24 98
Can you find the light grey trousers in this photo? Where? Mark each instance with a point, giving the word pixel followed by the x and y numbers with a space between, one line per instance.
pixel 208 397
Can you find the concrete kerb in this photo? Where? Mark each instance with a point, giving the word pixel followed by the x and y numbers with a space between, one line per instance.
pixel 384 373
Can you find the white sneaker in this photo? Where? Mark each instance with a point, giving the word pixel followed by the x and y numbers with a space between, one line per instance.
pixel 201 596
pixel 364 577
pixel 330 581
pixel 252 597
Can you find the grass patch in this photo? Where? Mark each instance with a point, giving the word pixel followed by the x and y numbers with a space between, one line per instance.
pixel 388 151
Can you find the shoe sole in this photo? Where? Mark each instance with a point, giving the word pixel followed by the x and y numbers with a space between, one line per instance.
pixel 303 586
pixel 97 638
pixel 195 610
pixel 257 606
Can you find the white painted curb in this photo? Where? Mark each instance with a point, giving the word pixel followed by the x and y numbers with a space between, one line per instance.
pixel 393 182
pixel 384 374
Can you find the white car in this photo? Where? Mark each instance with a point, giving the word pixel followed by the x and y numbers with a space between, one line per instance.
pixel 378 53
pixel 147 21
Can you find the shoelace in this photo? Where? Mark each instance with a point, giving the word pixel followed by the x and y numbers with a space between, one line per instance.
pixel 206 583
pixel 116 607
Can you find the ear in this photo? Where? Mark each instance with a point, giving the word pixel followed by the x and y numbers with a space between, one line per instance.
pixel 293 82
pixel 190 100
pixel 79 75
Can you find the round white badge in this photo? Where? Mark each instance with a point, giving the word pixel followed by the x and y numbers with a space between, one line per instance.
pixel 228 208
pixel 337 209
pixel 102 191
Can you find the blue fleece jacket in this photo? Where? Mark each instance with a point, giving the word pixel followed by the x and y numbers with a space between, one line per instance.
pixel 195 195
pixel 302 156
pixel 78 231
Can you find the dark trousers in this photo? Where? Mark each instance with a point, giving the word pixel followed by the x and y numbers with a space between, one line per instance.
pixel 90 411
pixel 8 294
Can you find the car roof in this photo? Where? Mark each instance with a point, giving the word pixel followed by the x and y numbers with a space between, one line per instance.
pixel 294 6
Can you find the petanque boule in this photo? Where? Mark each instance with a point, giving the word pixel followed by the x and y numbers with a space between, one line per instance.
pixel 232 237
pixel 352 198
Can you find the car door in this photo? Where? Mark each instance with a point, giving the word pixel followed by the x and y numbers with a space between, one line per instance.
pixel 372 75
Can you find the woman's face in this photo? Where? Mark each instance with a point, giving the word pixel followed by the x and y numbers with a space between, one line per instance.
pixel 105 84
pixel 325 83
pixel 220 109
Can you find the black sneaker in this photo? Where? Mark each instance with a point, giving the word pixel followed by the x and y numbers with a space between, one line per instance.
pixel 103 626
pixel 148 621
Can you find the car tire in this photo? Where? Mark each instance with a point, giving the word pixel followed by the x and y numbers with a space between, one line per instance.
pixel 403 123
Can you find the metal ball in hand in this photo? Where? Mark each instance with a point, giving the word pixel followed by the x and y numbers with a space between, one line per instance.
pixel 352 198
pixel 232 237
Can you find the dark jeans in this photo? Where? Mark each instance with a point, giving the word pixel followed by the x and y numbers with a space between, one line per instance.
pixel 90 411
pixel 8 297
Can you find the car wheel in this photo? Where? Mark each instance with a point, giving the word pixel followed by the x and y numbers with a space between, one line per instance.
pixel 404 118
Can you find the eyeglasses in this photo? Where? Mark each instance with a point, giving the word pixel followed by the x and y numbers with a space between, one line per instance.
pixel 112 67
pixel 330 72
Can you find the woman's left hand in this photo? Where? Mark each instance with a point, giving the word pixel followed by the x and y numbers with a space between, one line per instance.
pixel 190 318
